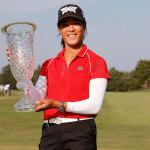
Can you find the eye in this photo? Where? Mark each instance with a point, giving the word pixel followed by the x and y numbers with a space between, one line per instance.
pixel 63 25
pixel 77 23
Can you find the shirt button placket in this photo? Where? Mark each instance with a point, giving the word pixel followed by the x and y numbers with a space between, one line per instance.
pixel 63 70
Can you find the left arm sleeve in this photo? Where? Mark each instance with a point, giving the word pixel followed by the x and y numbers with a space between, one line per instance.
pixel 92 105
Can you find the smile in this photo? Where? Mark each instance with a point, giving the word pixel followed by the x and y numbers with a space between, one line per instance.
pixel 72 35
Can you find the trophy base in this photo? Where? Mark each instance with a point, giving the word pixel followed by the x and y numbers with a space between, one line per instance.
pixel 28 101
pixel 25 104
pixel 27 108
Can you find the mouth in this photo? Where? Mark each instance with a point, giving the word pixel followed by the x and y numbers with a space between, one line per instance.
pixel 72 35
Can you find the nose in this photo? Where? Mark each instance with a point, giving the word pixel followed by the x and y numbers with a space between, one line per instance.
pixel 71 27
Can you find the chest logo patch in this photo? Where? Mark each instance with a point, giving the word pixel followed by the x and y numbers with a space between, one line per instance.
pixel 80 68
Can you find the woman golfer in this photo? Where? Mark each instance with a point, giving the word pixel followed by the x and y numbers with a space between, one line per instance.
pixel 72 86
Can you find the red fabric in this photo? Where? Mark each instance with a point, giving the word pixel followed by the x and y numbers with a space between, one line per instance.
pixel 72 84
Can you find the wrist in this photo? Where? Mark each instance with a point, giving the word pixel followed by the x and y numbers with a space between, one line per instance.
pixel 61 109
pixel 63 106
pixel 57 104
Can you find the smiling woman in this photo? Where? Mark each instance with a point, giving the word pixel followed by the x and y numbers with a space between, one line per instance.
pixel 71 86
pixel 77 17
pixel 76 82
pixel 72 31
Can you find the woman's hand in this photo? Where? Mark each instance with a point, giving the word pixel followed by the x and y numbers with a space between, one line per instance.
pixel 48 104
pixel 44 105
pixel 7 53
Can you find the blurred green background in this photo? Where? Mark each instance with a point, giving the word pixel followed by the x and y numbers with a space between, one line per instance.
pixel 123 123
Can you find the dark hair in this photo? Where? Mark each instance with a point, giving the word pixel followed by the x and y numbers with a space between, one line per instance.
pixel 85 32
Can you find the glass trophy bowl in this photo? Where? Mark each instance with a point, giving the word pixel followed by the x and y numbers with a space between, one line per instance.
pixel 19 38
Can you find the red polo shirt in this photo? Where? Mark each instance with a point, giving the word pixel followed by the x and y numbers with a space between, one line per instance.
pixel 72 84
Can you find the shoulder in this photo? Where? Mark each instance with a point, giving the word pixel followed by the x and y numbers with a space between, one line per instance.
pixel 45 64
pixel 98 66
pixel 44 67
pixel 95 58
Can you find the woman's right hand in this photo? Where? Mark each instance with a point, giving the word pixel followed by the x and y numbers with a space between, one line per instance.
pixel 7 53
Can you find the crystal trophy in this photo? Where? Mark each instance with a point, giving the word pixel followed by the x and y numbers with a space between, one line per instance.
pixel 19 37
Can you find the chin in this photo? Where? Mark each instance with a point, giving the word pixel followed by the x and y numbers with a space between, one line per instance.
pixel 73 43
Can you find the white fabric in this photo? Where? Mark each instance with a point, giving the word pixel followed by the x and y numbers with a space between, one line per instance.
pixel 41 87
pixel 92 105
pixel 34 94
pixel 39 91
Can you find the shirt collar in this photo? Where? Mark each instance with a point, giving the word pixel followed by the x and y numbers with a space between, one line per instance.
pixel 61 54
pixel 81 53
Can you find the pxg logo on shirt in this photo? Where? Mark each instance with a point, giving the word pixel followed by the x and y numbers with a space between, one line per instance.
pixel 70 8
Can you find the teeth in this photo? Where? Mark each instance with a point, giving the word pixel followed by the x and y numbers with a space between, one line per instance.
pixel 72 35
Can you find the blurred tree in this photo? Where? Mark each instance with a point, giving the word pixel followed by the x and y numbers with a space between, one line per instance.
pixel 115 77
pixel 143 72
pixel 133 84
pixel 7 77
pixel 1 79
pixel 119 80
pixel 122 81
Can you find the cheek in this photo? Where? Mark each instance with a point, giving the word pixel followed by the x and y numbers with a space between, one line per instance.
pixel 62 32
pixel 81 31
pixel 63 36
pixel 81 34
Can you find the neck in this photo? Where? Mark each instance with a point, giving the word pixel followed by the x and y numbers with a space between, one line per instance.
pixel 71 51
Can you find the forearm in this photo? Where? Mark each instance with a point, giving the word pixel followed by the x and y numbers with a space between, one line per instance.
pixel 92 105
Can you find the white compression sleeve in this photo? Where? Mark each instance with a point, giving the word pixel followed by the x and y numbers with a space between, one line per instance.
pixel 39 91
pixel 41 87
pixel 92 105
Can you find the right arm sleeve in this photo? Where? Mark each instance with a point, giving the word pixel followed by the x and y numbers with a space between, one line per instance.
pixel 41 87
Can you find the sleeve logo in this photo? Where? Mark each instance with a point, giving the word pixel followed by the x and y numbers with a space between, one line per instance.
pixel 70 8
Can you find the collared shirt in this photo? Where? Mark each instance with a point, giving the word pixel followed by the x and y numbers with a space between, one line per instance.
pixel 71 84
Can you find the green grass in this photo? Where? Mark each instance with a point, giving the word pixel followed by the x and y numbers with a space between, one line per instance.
pixel 18 131
pixel 123 123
